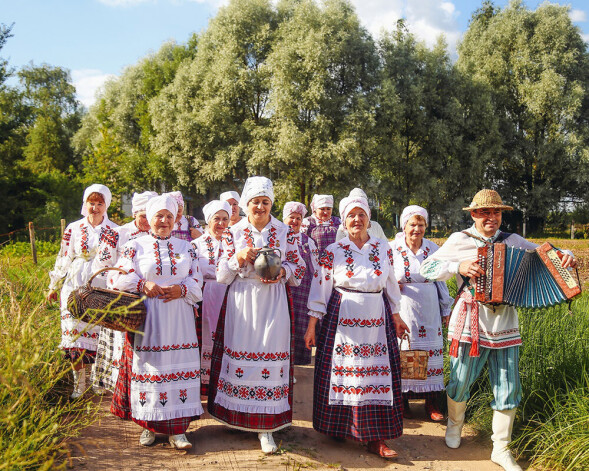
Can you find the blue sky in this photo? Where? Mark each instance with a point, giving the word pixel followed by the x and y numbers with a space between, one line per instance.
pixel 97 39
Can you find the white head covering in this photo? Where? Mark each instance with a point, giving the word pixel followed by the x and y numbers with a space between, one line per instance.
pixel 140 200
pixel 213 207
pixel 293 207
pixel 177 196
pixel 226 196
pixel 321 201
pixel 348 203
pixel 358 193
pixel 158 203
pixel 411 211
pixel 96 188
pixel 256 186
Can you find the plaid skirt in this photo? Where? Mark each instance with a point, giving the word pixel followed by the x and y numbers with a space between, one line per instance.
pixel 360 423
pixel 300 296
pixel 121 399
pixel 102 372
pixel 243 420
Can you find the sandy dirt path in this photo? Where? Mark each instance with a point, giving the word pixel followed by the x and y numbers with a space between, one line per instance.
pixel 113 444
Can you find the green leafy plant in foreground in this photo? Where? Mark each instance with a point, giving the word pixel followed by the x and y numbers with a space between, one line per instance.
pixel 36 416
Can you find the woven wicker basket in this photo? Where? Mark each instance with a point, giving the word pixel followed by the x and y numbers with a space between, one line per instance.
pixel 413 362
pixel 109 308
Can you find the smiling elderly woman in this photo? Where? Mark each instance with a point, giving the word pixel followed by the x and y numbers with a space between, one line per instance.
pixel 159 380
pixel 322 225
pixel 208 249
pixel 74 265
pixel 251 371
pixel 357 388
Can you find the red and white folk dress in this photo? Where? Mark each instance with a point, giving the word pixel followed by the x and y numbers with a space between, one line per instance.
pixel 207 249
pixel 73 265
pixel 323 233
pixel 357 387
pixel 160 383
pixel 251 376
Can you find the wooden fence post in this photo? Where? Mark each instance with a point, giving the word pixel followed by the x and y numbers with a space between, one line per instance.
pixel 62 228
pixel 33 245
pixel 572 229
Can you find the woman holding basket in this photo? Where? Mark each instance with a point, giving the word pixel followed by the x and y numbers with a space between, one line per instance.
pixel 159 379
pixel 73 268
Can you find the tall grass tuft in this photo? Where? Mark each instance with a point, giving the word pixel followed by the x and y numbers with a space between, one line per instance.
pixel 36 415
pixel 554 369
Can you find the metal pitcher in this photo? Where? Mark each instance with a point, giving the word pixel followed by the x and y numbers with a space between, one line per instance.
pixel 268 263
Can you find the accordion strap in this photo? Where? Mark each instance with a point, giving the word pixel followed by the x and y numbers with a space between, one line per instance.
pixel 500 238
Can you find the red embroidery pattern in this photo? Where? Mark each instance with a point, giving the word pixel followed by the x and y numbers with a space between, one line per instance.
pixel 265 373
pixel 158 258
pixel 249 238
pixel 109 237
pixel 390 255
pixel 173 262
pixel 271 242
pixel 228 238
pixel 426 252
pixel 364 350
pixel 259 356
pixel 292 256
pixel 141 285
pixel 349 260
pixel 435 372
pixel 183 395
pixel 258 393
pixel 362 372
pixel 291 238
pixel 373 257
pixel 84 240
pixel 435 353
pixel 326 260
pixel 142 398
pixel 361 322
pixel 166 348
pixel 300 272
pixel 210 250
pixel 405 264
pixel 163 398
pixel 77 333
pixel 165 377
pixel 361 390
pixel 422 332
pixel 129 253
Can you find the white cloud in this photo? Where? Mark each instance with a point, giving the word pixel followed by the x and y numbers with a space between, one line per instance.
pixel 578 16
pixel 87 83
pixel 377 15
pixel 585 37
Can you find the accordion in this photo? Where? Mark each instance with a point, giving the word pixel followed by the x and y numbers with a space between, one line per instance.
pixel 523 278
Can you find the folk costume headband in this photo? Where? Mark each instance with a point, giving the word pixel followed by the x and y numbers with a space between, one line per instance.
pixel 411 211
pixel 256 186
pixel 177 196
pixel 348 203
pixel 321 201
pixel 227 195
pixel 158 203
pixel 293 207
pixel 96 188
pixel 213 207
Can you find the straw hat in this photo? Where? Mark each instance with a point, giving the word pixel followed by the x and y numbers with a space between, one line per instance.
pixel 487 199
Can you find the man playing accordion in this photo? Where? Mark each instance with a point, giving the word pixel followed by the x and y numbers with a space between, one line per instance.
pixel 481 333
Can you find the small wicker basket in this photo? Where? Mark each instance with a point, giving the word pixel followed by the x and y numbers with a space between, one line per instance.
pixel 109 308
pixel 413 362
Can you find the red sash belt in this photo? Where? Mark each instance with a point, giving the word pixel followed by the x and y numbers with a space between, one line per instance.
pixel 474 325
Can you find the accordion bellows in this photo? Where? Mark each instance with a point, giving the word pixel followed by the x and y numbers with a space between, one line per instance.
pixel 523 278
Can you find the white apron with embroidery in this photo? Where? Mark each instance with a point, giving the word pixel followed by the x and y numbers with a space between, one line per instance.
pixel 360 366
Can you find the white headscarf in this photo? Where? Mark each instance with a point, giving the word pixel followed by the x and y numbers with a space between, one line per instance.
pixel 321 201
pixel 256 186
pixel 227 195
pixel 213 207
pixel 158 203
pixel 411 211
pixel 140 200
pixel 348 203
pixel 96 188
pixel 177 196
pixel 358 193
pixel 293 207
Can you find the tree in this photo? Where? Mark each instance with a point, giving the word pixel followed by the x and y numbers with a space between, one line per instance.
pixel 536 64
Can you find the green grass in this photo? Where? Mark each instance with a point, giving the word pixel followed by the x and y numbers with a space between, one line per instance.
pixel 36 415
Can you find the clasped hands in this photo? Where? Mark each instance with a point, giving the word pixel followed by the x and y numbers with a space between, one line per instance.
pixel 248 255
pixel 167 293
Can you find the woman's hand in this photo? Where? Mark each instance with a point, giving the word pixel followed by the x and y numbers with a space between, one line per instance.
pixel 195 233
pixel 400 325
pixel 281 275
pixel 51 296
pixel 310 334
pixel 171 293
pixel 470 269
pixel 151 290
pixel 247 255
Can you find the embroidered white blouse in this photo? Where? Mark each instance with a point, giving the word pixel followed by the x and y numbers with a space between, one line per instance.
pixel 208 249
pixel 344 265
pixel 112 242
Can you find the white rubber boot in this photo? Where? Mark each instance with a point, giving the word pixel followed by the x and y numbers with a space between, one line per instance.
pixel 502 427
pixel 456 412
pixel 267 442
pixel 79 383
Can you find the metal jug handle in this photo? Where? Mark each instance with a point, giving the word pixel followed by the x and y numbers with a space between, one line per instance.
pixel 279 252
